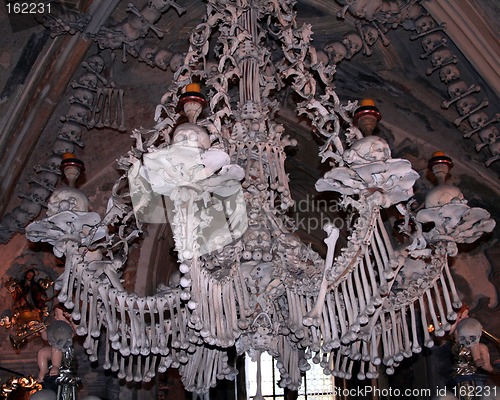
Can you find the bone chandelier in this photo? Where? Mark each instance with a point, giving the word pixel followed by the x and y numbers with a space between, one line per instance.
pixel 245 279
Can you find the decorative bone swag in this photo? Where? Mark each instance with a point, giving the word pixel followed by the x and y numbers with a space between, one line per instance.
pixel 244 279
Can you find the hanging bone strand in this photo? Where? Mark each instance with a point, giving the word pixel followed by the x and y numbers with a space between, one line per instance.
pixel 313 317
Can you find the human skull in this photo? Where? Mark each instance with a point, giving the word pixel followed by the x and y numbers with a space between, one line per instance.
pixel 465 105
pixel 365 8
pixel 176 61
pixel 88 80
pixel 489 135
pixel 21 217
pixel 82 96
pixel 162 59
pixel 353 43
pixel 60 335
pixel 54 162
pixel 191 135
pixel 62 146
pixel 39 194
pixel 96 63
pixel 456 89
pixel 31 208
pixel 78 112
pixel 67 199
pixel 432 41
pixel 440 57
pixel 336 52
pixel 442 195
pixel 71 132
pixel 370 34
pixel 469 331
pixel 368 149
pixel 48 178
pixel 424 24
pixel 478 119
pixel 449 73
pixel 147 55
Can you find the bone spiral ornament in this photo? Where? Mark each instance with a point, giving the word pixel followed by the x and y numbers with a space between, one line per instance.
pixel 245 279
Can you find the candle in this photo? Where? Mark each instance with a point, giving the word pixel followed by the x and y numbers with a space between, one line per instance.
pixel 193 87
pixel 367 102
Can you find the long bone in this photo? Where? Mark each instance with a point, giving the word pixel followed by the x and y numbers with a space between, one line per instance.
pixel 366 49
pixel 437 296
pixel 175 327
pixel 115 366
pixel 493 120
pixel 93 311
pixel 107 109
pixel 472 89
pixel 440 27
pixel 102 109
pixel 113 335
pixel 151 302
pixel 406 334
pixel 82 328
pixel 351 303
pixel 439 331
pixel 376 299
pixel 384 287
pixel 95 108
pixel 396 337
pixel 107 349
pixel 457 303
pixel 86 65
pixel 124 345
pixel 141 305
pixel 129 375
pixel 150 372
pixel 138 369
pixel 121 127
pixel 104 289
pixel 132 316
pixel 72 257
pixel 315 341
pixel 292 322
pixel 370 307
pixel 382 237
pixel 428 342
pixel 450 60
pixel 415 345
pixel 312 317
pixel 162 336
pixel 450 314
pixel 362 317
pixel 340 314
pixel 483 104
pixel 386 349
pixel 333 322
pixel 228 294
pixel 182 323
pixel 75 314
pixel 326 332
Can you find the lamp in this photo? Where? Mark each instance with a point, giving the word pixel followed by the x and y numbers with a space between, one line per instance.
pixel 246 280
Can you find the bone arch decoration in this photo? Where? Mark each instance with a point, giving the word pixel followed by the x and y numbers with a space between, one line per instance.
pixel 375 18
pixel 357 305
